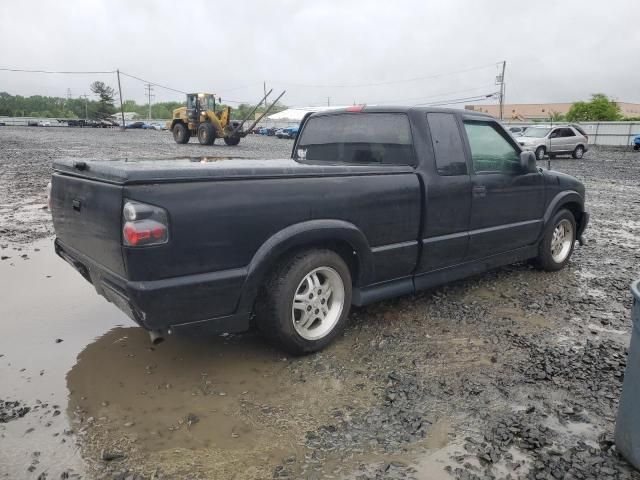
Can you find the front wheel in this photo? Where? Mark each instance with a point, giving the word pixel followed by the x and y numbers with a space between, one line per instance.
pixel 206 134
pixel 578 152
pixel 540 151
pixel 305 302
pixel 557 244
pixel 181 133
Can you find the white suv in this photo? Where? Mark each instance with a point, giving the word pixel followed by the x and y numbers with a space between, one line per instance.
pixel 553 141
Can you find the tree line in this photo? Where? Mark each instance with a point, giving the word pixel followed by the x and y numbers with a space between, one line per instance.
pixel 598 108
pixel 97 109
pixel 59 107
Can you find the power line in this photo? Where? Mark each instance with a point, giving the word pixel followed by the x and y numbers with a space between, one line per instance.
pixel 392 82
pixel 430 96
pixel 152 83
pixel 454 101
pixel 51 71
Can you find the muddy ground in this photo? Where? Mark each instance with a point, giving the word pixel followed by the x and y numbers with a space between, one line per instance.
pixel 512 374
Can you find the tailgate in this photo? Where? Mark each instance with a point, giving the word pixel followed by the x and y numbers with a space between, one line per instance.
pixel 87 216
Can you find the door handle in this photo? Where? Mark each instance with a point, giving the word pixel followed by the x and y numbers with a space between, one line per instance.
pixel 479 191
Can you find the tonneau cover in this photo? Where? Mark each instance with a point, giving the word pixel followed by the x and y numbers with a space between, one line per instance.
pixel 129 171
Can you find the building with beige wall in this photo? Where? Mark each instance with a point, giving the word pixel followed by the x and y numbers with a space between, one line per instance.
pixel 541 111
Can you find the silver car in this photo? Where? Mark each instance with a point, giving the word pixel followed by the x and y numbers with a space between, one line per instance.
pixel 554 141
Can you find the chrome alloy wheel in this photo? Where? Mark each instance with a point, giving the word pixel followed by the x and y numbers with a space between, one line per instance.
pixel 318 303
pixel 561 241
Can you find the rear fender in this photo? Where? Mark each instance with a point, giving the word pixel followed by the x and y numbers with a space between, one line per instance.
pixel 313 232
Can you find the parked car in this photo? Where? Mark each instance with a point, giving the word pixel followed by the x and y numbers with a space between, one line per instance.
pixel 263 131
pixel 44 123
pixel 135 125
pixel 516 131
pixel 289 132
pixel 554 141
pixel 375 202
pixel 278 133
pixel 636 142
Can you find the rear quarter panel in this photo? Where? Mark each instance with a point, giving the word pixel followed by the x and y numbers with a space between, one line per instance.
pixel 219 225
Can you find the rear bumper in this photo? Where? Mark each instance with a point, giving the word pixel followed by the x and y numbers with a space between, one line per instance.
pixel 205 301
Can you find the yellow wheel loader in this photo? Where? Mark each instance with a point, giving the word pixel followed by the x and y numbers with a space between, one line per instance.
pixel 201 118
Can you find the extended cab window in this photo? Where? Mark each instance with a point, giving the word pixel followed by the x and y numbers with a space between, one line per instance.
pixel 357 138
pixel 490 150
pixel 447 144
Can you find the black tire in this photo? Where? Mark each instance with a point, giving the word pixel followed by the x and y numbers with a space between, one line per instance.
pixel 545 259
pixel 275 316
pixel 181 133
pixel 578 152
pixel 636 147
pixel 206 134
pixel 232 141
pixel 540 153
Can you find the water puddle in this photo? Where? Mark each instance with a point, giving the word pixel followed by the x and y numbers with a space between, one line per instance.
pixel 49 314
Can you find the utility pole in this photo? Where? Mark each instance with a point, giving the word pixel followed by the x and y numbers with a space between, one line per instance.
pixel 68 94
pixel 500 81
pixel 121 107
pixel 264 87
pixel 86 106
pixel 149 88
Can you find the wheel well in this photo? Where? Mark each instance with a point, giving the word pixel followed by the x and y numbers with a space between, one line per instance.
pixel 575 208
pixel 341 247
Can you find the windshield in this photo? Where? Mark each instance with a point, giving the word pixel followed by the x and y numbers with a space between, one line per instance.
pixel 536 132
pixel 207 102
pixel 357 138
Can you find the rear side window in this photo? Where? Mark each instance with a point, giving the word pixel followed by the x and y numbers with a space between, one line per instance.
pixel 357 138
pixel 567 132
pixel 447 144
pixel 491 152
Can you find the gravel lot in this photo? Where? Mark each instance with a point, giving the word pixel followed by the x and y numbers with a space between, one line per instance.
pixel 512 374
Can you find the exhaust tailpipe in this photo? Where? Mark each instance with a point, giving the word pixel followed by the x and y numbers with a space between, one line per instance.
pixel 156 336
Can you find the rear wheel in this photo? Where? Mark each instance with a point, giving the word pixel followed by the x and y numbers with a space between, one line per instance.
pixel 181 133
pixel 540 152
pixel 557 244
pixel 578 152
pixel 206 134
pixel 232 141
pixel 304 304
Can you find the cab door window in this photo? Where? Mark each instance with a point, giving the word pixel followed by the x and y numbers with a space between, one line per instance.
pixel 491 151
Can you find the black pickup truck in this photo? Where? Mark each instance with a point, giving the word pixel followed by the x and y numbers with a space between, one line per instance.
pixel 374 203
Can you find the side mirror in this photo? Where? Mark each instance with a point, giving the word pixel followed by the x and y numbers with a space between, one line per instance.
pixel 528 162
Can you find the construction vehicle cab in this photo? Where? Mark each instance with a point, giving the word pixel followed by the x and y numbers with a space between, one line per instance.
pixel 201 118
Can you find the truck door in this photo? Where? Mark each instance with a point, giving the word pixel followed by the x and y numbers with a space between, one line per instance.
pixel 507 203
pixel 447 196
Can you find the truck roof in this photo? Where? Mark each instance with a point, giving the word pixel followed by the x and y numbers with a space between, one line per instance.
pixel 401 109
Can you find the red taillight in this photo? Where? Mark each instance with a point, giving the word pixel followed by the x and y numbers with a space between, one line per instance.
pixel 355 108
pixel 144 233
pixel 144 225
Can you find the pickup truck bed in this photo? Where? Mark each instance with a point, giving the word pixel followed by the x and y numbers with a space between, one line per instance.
pixel 381 212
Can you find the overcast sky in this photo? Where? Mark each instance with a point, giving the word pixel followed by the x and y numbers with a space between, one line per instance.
pixel 405 52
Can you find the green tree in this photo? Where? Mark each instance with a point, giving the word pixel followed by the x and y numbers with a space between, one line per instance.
pixel 105 106
pixel 599 108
